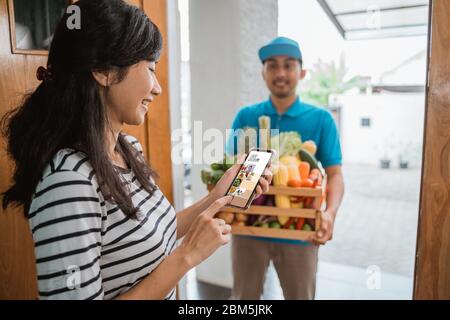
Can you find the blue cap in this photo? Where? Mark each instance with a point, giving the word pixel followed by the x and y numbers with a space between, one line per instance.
pixel 280 46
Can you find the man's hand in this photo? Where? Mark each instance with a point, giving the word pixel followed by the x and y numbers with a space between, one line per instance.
pixel 325 232
pixel 335 193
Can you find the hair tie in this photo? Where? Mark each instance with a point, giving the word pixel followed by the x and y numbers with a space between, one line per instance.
pixel 43 74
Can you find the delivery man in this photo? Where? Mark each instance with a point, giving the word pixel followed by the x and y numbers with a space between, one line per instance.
pixel 295 261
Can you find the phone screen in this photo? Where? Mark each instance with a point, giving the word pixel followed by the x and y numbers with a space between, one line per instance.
pixel 247 178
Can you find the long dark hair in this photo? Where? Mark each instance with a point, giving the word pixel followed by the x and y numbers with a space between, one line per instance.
pixel 66 111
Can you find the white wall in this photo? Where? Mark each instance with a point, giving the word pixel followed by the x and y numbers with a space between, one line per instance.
pixel 397 125
pixel 173 42
pixel 225 75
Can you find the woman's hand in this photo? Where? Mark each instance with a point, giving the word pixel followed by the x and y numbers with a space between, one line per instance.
pixel 206 234
pixel 225 182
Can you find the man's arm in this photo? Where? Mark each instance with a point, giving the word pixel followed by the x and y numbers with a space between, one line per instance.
pixel 335 193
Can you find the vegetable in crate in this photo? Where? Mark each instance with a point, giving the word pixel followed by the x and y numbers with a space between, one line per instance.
pixel 216 176
pixel 288 224
pixel 297 204
pixel 241 217
pixel 264 125
pixel 293 172
pixel 270 201
pixel 289 160
pixel 300 223
pixel 304 168
pixel 283 219
pixel 216 170
pixel 281 175
pixel 310 146
pixel 286 143
pixel 295 183
pixel 281 179
pixel 260 201
pixel 307 183
pixel 206 176
pixel 251 219
pixel 307 157
pixel 275 225
pixel 228 217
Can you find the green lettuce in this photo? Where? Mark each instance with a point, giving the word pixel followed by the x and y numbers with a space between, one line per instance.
pixel 286 143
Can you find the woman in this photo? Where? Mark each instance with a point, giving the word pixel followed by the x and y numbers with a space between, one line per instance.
pixel 101 227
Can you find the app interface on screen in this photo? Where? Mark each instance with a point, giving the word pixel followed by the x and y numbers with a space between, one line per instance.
pixel 248 177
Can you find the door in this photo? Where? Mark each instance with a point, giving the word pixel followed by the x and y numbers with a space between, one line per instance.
pixel 18 75
pixel 432 278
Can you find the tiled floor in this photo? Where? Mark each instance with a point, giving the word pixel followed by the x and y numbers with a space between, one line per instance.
pixel 377 222
pixel 334 282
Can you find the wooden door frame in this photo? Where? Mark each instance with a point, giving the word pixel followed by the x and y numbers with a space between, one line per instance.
pixel 18 268
pixel 432 272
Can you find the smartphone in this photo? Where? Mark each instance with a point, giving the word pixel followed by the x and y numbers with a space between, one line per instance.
pixel 243 188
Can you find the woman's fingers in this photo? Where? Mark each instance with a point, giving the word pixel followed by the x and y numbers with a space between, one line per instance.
pixel 264 184
pixel 241 158
pixel 220 222
pixel 226 229
pixel 217 205
pixel 259 191
pixel 268 174
pixel 226 239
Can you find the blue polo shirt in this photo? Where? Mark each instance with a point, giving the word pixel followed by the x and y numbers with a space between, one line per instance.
pixel 311 122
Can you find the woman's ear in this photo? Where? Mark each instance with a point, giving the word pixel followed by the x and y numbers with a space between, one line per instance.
pixel 102 77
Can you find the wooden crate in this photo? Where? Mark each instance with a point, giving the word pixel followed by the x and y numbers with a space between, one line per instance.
pixel 316 214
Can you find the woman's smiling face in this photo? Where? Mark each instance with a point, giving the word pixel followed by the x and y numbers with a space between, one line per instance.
pixel 128 101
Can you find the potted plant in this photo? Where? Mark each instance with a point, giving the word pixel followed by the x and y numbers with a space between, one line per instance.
pixel 385 163
pixel 405 155
pixel 403 162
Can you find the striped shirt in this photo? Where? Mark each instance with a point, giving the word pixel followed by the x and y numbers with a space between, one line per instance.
pixel 85 247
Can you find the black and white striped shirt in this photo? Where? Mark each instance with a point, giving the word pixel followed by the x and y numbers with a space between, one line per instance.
pixel 85 247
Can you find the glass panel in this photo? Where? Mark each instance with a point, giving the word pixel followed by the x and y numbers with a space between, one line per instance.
pixel 387 19
pixel 35 22
pixel 340 6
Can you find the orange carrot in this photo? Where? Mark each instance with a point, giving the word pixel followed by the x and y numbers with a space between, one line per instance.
pixel 304 169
